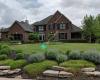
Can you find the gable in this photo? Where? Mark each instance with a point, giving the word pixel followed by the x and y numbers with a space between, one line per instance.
pixel 58 18
pixel 16 28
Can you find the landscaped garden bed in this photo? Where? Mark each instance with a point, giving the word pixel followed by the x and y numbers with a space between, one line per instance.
pixel 34 64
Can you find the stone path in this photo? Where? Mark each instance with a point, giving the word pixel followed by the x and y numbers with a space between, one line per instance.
pixel 13 79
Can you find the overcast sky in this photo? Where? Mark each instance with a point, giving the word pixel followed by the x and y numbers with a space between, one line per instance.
pixel 35 10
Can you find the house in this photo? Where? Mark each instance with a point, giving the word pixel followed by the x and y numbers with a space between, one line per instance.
pixel 17 31
pixel 58 25
pixel 55 27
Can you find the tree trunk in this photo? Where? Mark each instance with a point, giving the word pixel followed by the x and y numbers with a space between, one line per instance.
pixel 90 39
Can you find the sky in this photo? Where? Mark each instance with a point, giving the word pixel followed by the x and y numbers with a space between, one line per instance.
pixel 36 10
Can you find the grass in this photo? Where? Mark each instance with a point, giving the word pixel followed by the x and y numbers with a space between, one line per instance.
pixel 29 48
pixel 75 65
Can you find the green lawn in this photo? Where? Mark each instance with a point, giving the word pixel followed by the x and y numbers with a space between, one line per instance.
pixel 29 48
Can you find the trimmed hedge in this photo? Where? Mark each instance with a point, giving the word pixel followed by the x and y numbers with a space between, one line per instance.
pixel 14 64
pixel 36 69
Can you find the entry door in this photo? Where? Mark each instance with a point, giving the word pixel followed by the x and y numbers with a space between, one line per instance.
pixel 41 37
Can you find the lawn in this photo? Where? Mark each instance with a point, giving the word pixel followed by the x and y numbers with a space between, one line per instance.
pixel 29 48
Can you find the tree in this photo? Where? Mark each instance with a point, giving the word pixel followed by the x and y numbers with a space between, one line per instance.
pixel 97 27
pixel 88 27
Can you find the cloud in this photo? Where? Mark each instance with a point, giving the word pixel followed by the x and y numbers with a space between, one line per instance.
pixel 35 10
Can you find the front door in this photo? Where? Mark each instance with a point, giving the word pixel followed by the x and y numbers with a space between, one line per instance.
pixel 41 37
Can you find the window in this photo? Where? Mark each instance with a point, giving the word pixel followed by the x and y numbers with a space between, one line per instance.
pixel 41 28
pixel 62 36
pixel 51 26
pixel 62 26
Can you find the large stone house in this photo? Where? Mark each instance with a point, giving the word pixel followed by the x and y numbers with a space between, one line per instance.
pixel 57 25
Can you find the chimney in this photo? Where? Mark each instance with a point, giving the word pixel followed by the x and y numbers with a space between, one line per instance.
pixel 26 21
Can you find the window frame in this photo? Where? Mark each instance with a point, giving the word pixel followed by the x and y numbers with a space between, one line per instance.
pixel 41 28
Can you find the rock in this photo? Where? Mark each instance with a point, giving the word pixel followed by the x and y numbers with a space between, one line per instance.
pixel 14 71
pixel 95 73
pixel 65 74
pixel 17 70
pixel 58 68
pixel 88 69
pixel 4 67
pixel 19 77
pixel 51 73
pixel 3 73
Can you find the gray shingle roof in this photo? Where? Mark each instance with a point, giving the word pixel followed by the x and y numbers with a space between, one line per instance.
pixel 75 28
pixel 3 30
pixel 44 21
pixel 27 27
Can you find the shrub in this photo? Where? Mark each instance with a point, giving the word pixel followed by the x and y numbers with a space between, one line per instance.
pixel 51 54
pixel 3 57
pixel 93 56
pixel 56 55
pixel 77 64
pixel 37 57
pixel 37 68
pixel 14 64
pixel 61 58
pixel 4 49
pixel 75 55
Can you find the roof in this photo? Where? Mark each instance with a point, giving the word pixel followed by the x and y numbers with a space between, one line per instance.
pixel 27 27
pixel 75 28
pixel 44 21
pixel 3 30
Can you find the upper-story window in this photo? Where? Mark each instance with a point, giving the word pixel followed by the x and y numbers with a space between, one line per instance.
pixel 62 26
pixel 51 26
pixel 41 28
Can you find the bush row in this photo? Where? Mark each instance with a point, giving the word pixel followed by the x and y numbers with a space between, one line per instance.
pixel 93 56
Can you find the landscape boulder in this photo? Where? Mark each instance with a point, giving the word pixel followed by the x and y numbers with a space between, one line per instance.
pixel 94 74
pixel 88 69
pixel 4 67
pixel 53 73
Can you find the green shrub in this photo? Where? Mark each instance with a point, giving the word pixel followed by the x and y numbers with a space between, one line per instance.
pixel 56 55
pixel 37 57
pixel 77 64
pixel 3 57
pixel 61 58
pixel 93 56
pixel 14 64
pixel 37 68
pixel 4 49
pixel 51 54
pixel 75 55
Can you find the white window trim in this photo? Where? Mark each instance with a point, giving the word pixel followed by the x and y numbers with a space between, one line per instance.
pixel 42 36
pixel 62 26
pixel 41 28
